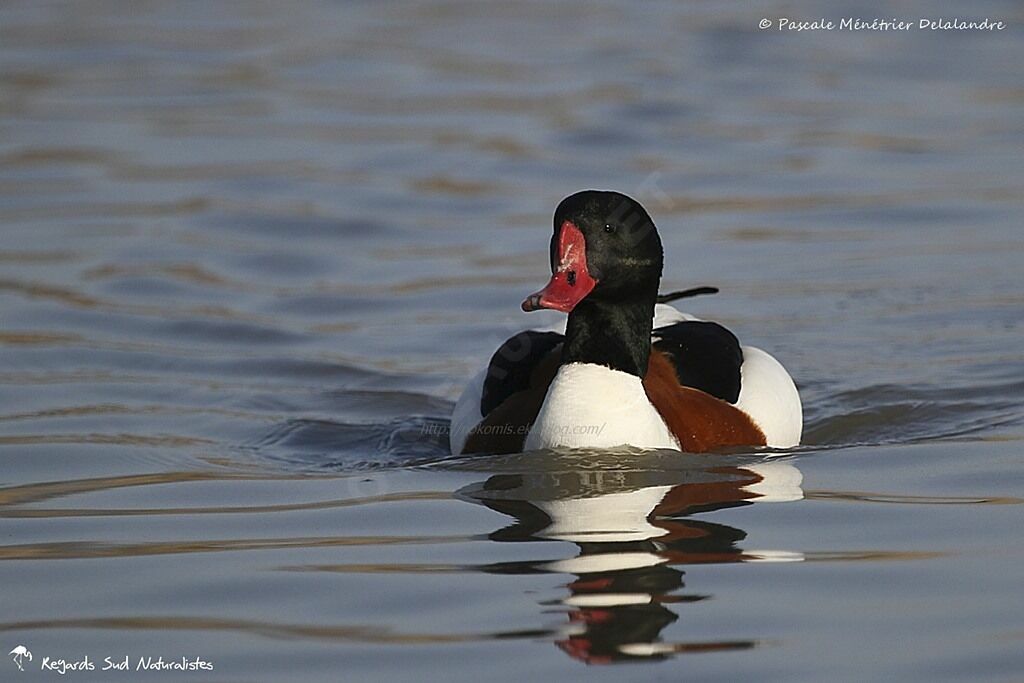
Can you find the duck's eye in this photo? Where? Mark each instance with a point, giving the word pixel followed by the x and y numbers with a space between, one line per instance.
pixel 609 228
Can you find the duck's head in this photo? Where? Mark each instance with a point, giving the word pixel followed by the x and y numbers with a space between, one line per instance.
pixel 605 247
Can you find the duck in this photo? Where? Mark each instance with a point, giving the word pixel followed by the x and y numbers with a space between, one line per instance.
pixel 625 369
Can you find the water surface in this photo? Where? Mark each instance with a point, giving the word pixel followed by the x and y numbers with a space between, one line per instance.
pixel 251 251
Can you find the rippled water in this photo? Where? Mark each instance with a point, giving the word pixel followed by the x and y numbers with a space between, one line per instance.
pixel 250 252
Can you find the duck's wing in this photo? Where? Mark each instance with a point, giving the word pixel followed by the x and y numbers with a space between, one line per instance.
pixel 495 411
pixel 513 365
pixel 705 355
pixel 706 358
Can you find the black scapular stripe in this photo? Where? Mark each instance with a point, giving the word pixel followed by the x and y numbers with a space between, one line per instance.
pixel 685 294
pixel 706 356
pixel 511 365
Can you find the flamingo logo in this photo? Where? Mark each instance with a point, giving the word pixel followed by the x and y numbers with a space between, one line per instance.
pixel 19 654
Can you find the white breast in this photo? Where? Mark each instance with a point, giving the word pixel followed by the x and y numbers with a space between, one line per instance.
pixel 592 406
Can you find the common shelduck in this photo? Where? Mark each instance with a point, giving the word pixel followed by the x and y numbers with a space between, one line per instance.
pixel 627 369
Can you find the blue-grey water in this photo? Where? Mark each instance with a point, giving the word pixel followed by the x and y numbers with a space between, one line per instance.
pixel 250 251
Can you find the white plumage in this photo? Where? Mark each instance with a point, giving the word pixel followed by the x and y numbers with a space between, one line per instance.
pixel 769 397
pixel 591 406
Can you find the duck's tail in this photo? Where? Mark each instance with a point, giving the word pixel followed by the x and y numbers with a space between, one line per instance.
pixel 686 294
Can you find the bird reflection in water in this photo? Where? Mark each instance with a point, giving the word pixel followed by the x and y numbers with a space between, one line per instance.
pixel 633 530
